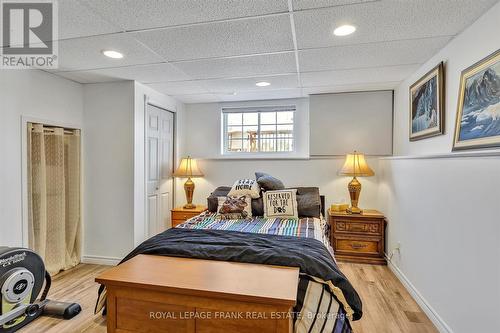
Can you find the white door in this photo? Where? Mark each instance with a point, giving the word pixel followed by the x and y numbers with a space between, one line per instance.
pixel 159 168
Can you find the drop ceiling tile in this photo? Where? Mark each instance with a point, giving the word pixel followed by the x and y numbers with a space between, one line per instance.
pixel 248 84
pixel 355 76
pixel 403 52
pixel 255 65
pixel 220 39
pixel 179 88
pixel 85 53
pixel 145 14
pixel 350 87
pixel 86 77
pixel 262 95
pixel 307 4
pixel 143 73
pixel 77 20
pixel 198 98
pixel 387 20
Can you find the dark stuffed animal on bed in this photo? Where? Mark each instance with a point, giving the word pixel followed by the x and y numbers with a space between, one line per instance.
pixel 234 206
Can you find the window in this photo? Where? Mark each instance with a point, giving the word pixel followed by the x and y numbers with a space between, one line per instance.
pixel 258 130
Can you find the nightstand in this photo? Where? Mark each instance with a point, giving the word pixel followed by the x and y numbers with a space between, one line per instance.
pixel 358 238
pixel 181 214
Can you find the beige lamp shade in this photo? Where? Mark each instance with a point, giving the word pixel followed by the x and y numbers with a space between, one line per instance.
pixel 355 165
pixel 188 168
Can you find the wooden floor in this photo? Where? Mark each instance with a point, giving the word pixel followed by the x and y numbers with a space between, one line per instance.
pixel 387 306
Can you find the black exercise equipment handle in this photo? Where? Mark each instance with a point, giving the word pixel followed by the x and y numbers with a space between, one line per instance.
pixel 48 282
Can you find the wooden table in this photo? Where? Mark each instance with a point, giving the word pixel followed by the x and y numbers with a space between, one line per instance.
pixel 165 294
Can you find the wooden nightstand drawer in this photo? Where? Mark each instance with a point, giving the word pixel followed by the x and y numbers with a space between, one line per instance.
pixel 175 223
pixel 368 227
pixel 183 215
pixel 357 246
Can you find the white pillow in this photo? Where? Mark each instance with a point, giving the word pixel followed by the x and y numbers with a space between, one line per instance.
pixel 282 203
pixel 234 208
pixel 248 187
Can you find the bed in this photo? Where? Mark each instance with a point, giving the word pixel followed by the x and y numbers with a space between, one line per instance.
pixel 325 302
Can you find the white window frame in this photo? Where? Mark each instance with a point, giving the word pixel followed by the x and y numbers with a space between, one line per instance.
pixel 259 110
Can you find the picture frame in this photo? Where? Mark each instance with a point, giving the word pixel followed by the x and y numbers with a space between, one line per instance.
pixel 477 122
pixel 427 116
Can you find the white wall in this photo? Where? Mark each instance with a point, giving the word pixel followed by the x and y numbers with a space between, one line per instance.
pixel 108 165
pixel 202 141
pixel 444 210
pixel 114 166
pixel 304 172
pixel 37 95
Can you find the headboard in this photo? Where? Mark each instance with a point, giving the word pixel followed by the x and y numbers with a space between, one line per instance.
pixel 323 210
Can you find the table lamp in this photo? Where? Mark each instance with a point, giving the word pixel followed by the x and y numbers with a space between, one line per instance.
pixel 188 168
pixel 355 166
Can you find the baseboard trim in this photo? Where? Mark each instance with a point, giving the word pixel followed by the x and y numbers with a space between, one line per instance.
pixel 99 260
pixel 421 301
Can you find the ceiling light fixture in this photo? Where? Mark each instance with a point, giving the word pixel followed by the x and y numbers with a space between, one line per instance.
pixel 344 30
pixel 112 54
pixel 262 84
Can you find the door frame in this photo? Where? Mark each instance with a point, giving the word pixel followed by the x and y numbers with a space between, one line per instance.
pixel 149 101
pixel 24 175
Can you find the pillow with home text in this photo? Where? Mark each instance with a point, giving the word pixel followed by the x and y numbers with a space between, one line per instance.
pixel 282 203
pixel 245 187
pixel 234 207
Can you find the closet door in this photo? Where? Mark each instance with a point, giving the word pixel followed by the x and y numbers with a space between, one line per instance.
pixel 159 168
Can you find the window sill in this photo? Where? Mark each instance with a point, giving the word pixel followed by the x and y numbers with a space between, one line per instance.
pixel 257 156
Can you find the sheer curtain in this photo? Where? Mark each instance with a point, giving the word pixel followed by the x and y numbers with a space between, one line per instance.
pixel 54 195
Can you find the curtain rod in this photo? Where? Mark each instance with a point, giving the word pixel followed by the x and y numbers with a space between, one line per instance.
pixel 51 130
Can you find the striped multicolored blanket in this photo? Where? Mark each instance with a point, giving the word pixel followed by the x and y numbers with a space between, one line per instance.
pixel 320 308
pixel 308 227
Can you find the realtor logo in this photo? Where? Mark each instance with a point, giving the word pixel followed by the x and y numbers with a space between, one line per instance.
pixel 29 34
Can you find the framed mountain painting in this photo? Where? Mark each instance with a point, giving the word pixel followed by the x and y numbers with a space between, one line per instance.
pixel 478 111
pixel 427 105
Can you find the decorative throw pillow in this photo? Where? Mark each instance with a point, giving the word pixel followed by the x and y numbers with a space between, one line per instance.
pixel 213 199
pixel 308 202
pixel 258 207
pixel 245 187
pixel 268 182
pixel 234 207
pixel 222 191
pixel 282 203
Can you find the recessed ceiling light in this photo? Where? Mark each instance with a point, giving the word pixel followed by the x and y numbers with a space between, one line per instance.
pixel 262 84
pixel 112 54
pixel 344 30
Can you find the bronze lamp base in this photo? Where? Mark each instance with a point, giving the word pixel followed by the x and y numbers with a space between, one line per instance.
pixel 189 189
pixel 354 188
